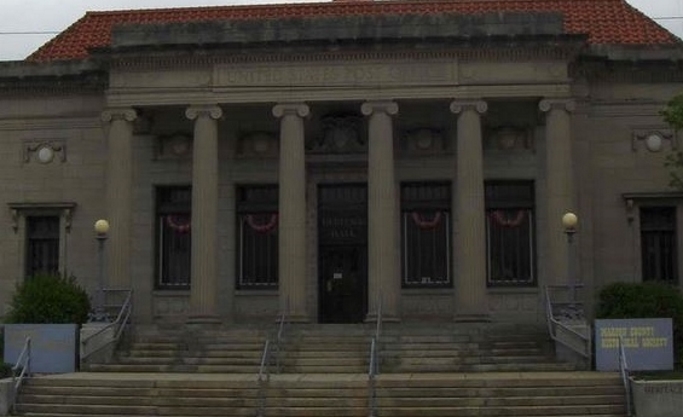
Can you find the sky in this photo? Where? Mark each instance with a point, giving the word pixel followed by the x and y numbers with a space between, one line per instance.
pixel 27 24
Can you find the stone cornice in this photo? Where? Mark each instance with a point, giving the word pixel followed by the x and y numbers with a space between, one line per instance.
pixel 40 88
pixel 648 196
pixel 475 52
pixel 628 71
pixel 599 108
pixel 93 122
pixel 212 96
pixel 20 77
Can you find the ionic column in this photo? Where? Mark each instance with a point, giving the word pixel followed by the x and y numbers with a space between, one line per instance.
pixel 469 249
pixel 204 213
pixel 384 282
pixel 119 195
pixel 558 187
pixel 292 210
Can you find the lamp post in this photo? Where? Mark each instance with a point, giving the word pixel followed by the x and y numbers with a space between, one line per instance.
pixel 101 230
pixel 569 222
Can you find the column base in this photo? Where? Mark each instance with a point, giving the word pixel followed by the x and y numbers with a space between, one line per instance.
pixel 472 318
pixel 297 318
pixel 204 320
pixel 372 318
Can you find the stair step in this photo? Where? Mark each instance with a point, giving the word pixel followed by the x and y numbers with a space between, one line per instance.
pixel 539 411
pixel 232 353
pixel 133 360
pixel 251 369
pixel 532 401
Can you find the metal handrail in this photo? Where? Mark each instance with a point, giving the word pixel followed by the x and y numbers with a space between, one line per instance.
pixel 372 386
pixel 554 323
pixel 373 369
pixel 263 378
pixel 120 323
pixel 23 362
pixel 264 369
pixel 625 377
pixel 378 327
pixel 279 343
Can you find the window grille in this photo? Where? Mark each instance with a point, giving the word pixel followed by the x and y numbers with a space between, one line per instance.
pixel 258 226
pixel 174 237
pixel 510 245
pixel 658 244
pixel 42 245
pixel 426 234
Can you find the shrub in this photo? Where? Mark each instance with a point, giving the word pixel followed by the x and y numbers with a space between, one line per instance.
pixel 49 299
pixel 646 300
pixel 5 370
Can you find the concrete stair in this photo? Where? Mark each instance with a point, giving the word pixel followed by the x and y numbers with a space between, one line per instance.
pixel 226 350
pixel 341 348
pixel 442 370
pixel 468 348
pixel 501 394
pixel 147 394
pixel 332 348
pixel 556 394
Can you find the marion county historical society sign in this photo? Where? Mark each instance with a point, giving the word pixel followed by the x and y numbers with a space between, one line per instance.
pixel 648 344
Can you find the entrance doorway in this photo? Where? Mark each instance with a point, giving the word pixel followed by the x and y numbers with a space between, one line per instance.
pixel 342 253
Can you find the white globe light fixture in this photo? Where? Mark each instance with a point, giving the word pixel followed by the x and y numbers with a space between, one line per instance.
pixel 101 230
pixel 101 227
pixel 569 221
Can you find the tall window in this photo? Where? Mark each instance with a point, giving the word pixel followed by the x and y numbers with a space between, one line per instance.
pixel 174 226
pixel 257 224
pixel 426 234
pixel 42 245
pixel 510 247
pixel 658 244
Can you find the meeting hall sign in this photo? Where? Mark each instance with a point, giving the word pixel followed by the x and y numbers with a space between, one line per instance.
pixel 648 344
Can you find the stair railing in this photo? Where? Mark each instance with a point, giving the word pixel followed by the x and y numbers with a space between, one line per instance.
pixel 279 343
pixel 23 364
pixel 264 378
pixel 266 359
pixel 625 377
pixel 373 369
pixel 583 345
pixel 119 326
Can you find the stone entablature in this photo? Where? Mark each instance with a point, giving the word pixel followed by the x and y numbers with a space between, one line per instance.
pixel 367 78
pixel 336 74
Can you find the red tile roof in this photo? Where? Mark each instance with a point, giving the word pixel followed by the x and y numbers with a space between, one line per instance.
pixel 606 22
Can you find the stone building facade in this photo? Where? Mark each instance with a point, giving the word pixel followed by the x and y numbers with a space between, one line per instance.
pixel 330 159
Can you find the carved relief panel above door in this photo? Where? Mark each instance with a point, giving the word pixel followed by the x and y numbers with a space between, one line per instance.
pixel 340 134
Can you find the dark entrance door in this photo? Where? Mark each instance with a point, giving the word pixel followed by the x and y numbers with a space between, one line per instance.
pixel 342 253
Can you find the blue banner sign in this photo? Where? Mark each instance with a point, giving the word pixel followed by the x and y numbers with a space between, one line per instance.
pixel 53 346
pixel 648 344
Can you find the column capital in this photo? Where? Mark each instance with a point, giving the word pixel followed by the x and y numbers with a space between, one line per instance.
pixel 126 114
pixel 566 104
pixel 296 109
pixel 388 107
pixel 212 111
pixel 459 106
